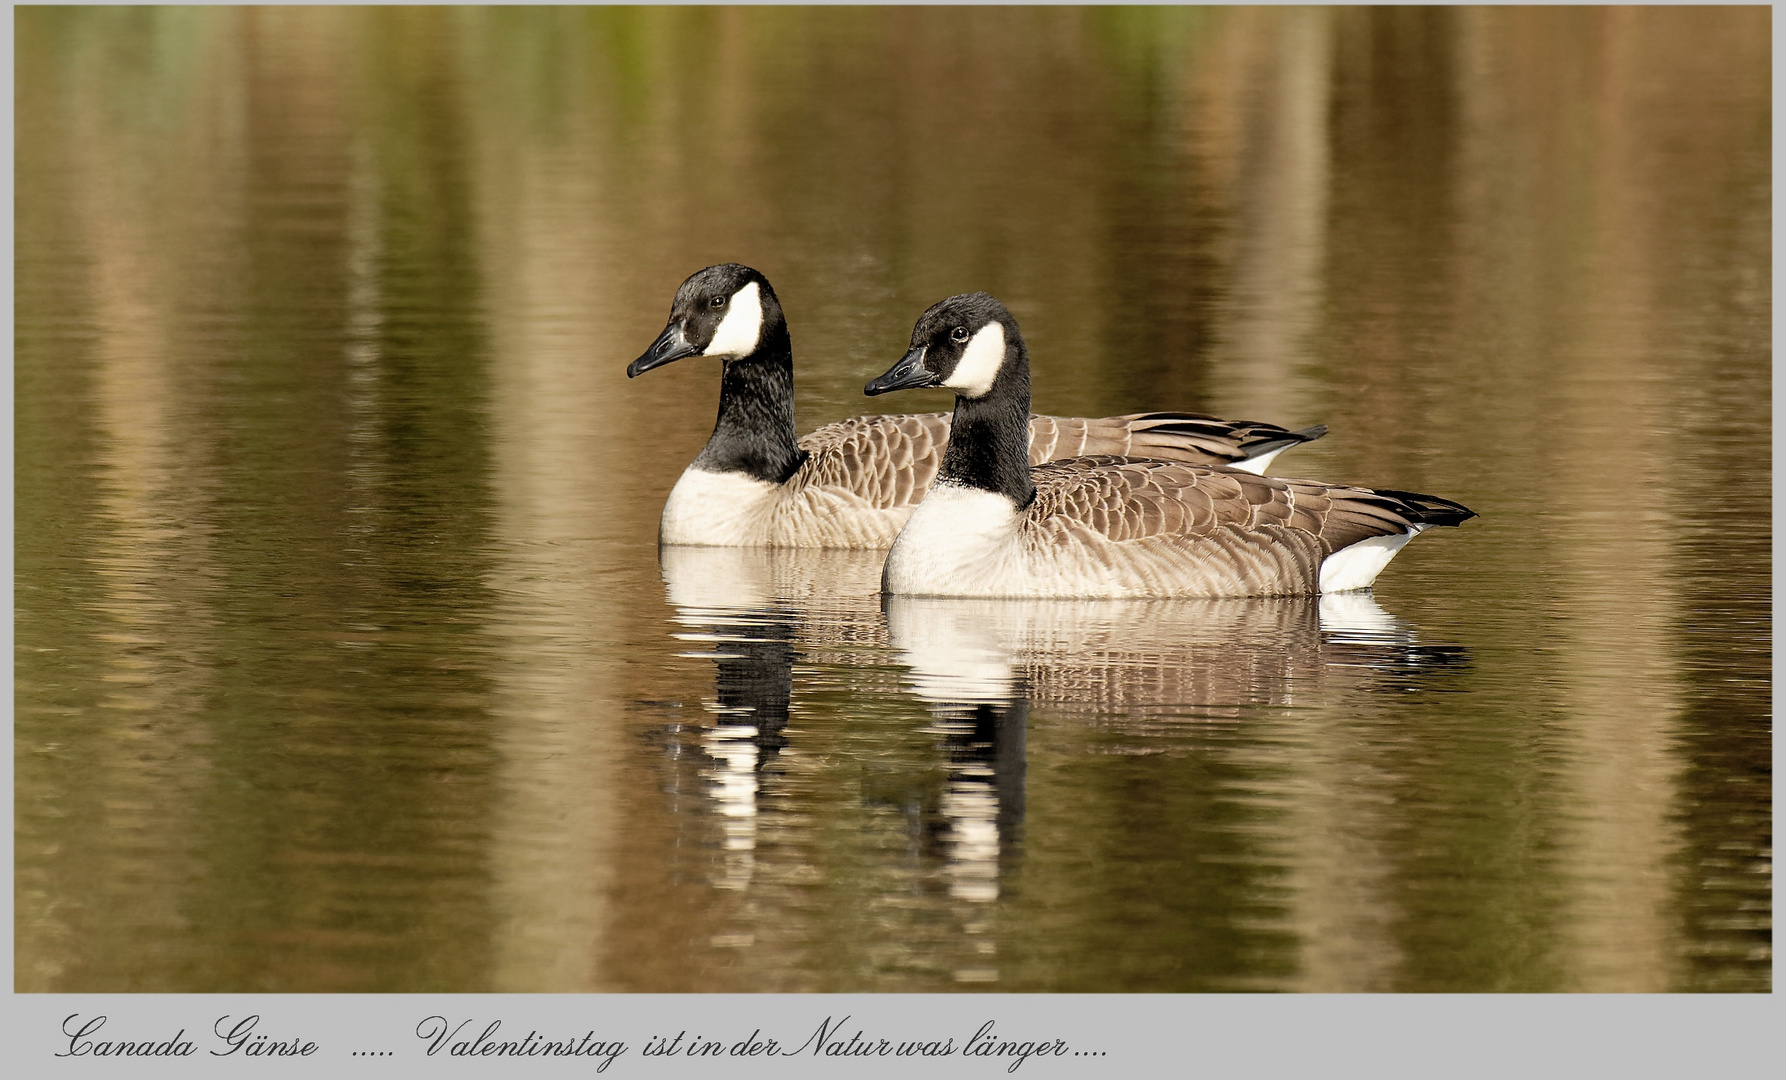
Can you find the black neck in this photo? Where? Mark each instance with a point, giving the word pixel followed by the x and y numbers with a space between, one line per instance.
pixel 989 439
pixel 755 430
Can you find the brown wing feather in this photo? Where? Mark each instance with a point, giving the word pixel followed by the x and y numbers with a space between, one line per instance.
pixel 1188 437
pixel 1133 499
pixel 1186 529
pixel 888 462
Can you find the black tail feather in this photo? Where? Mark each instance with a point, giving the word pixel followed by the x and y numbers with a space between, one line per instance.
pixel 1262 439
pixel 1426 509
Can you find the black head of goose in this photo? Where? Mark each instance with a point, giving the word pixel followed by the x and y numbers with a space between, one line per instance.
pixel 729 312
pixel 852 484
pixel 1111 526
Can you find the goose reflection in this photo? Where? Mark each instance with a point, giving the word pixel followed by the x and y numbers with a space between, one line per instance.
pixel 968 680
pixel 1142 668
pixel 1145 670
pixel 745 608
pixel 755 611
pixel 723 604
pixel 1134 661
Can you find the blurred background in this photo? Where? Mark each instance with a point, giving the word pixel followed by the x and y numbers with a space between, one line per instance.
pixel 346 661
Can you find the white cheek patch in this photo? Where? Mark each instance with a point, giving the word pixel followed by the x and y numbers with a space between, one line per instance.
pixel 738 332
pixel 980 362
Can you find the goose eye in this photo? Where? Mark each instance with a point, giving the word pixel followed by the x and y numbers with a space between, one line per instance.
pixel 718 301
pixel 959 334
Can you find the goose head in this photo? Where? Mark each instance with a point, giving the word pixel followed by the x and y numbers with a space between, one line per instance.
pixel 967 343
pixel 726 311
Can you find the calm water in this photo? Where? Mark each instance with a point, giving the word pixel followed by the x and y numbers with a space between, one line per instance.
pixel 346 659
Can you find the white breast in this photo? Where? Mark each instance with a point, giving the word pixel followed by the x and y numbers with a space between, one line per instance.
pixel 960 541
pixel 730 509
pixel 718 509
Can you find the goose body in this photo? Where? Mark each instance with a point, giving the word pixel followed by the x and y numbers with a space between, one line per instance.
pixel 854 483
pixel 1109 526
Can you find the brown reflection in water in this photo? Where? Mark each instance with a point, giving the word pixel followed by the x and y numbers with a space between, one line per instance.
pixel 559 703
pixel 261 406
pixel 1451 145
pixel 147 540
pixel 361 505
pixel 1623 769
pixel 1262 102
pixel 1668 317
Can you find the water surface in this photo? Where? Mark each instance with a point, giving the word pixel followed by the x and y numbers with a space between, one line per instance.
pixel 346 659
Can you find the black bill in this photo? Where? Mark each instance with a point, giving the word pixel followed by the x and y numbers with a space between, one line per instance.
pixel 909 374
pixel 670 345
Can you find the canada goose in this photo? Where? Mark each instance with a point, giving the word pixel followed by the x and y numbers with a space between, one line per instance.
pixel 1105 526
pixel 853 483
